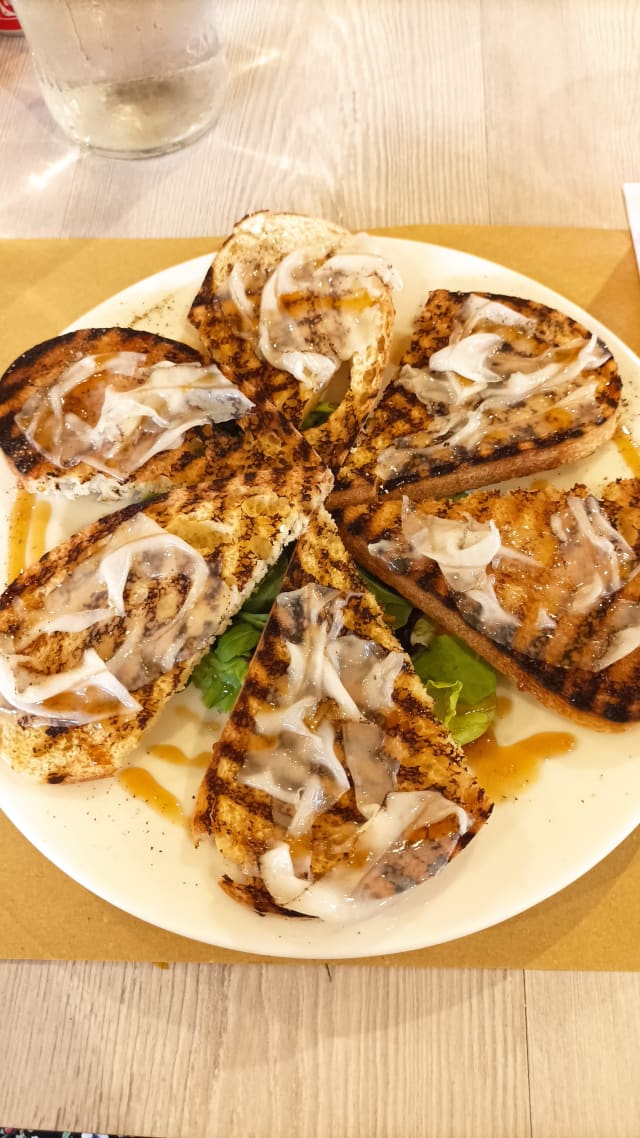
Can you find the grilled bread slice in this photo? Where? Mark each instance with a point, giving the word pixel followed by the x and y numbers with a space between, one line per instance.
pixel 116 412
pixel 490 388
pixel 543 583
pixel 292 304
pixel 332 762
pixel 106 627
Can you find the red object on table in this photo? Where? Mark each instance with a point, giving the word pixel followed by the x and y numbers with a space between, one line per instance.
pixel 8 19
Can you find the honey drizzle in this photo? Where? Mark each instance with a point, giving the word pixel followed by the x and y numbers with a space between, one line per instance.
pixel 627 449
pixel 176 756
pixel 40 515
pixel 28 522
pixel 504 770
pixel 19 525
pixel 139 783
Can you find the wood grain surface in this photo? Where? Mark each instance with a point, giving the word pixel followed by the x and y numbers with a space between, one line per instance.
pixel 371 112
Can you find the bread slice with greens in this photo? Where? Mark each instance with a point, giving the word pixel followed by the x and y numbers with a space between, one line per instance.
pixel 96 637
pixel 294 310
pixel 333 788
pixel 490 388
pixel 543 583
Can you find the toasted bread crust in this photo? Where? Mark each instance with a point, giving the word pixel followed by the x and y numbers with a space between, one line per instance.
pixel 263 240
pixel 240 817
pixel 607 700
pixel 523 450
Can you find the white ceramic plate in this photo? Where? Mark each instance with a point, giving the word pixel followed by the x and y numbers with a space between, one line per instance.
pixel 577 810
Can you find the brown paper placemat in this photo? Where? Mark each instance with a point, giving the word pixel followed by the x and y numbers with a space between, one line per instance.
pixel 595 923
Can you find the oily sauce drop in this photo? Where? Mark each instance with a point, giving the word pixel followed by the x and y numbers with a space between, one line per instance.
pixel 27 528
pixel 19 525
pixel 140 784
pixel 627 449
pixel 504 770
pixel 175 755
pixel 40 514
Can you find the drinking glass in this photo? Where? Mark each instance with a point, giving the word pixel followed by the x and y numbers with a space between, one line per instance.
pixel 128 78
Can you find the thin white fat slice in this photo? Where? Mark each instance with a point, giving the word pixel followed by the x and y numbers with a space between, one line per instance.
pixel 462 549
pixel 486 310
pixel 351 282
pixel 344 893
pixel 372 771
pixel 626 637
pixel 593 562
pixel 139 552
pixel 76 695
pixel 596 559
pixel 353 677
pixel 470 357
pixel 366 670
pixel 473 381
pixel 124 426
pixel 301 770
pixel 237 291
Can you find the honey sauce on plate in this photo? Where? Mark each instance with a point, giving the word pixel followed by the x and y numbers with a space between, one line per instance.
pixel 627 449
pixel 139 783
pixel 27 528
pixel 176 756
pixel 505 769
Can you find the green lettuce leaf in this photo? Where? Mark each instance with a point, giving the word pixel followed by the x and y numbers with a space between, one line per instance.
pixel 422 631
pixel 240 639
pixel 447 660
pixel 464 723
pixel 219 682
pixel 319 415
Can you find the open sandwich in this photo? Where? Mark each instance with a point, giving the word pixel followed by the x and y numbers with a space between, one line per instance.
pixel 115 412
pixel 333 788
pixel 490 388
pixel 543 583
pixel 294 308
pixel 96 636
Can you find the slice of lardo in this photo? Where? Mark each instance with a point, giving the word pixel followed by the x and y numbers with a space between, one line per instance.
pixel 333 788
pixel 116 412
pixel 543 583
pixel 491 387
pixel 294 305
pixel 97 636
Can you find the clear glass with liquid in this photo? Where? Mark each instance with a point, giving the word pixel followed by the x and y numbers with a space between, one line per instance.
pixel 129 78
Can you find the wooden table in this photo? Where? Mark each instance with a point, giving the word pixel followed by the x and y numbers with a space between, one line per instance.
pixel 372 112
